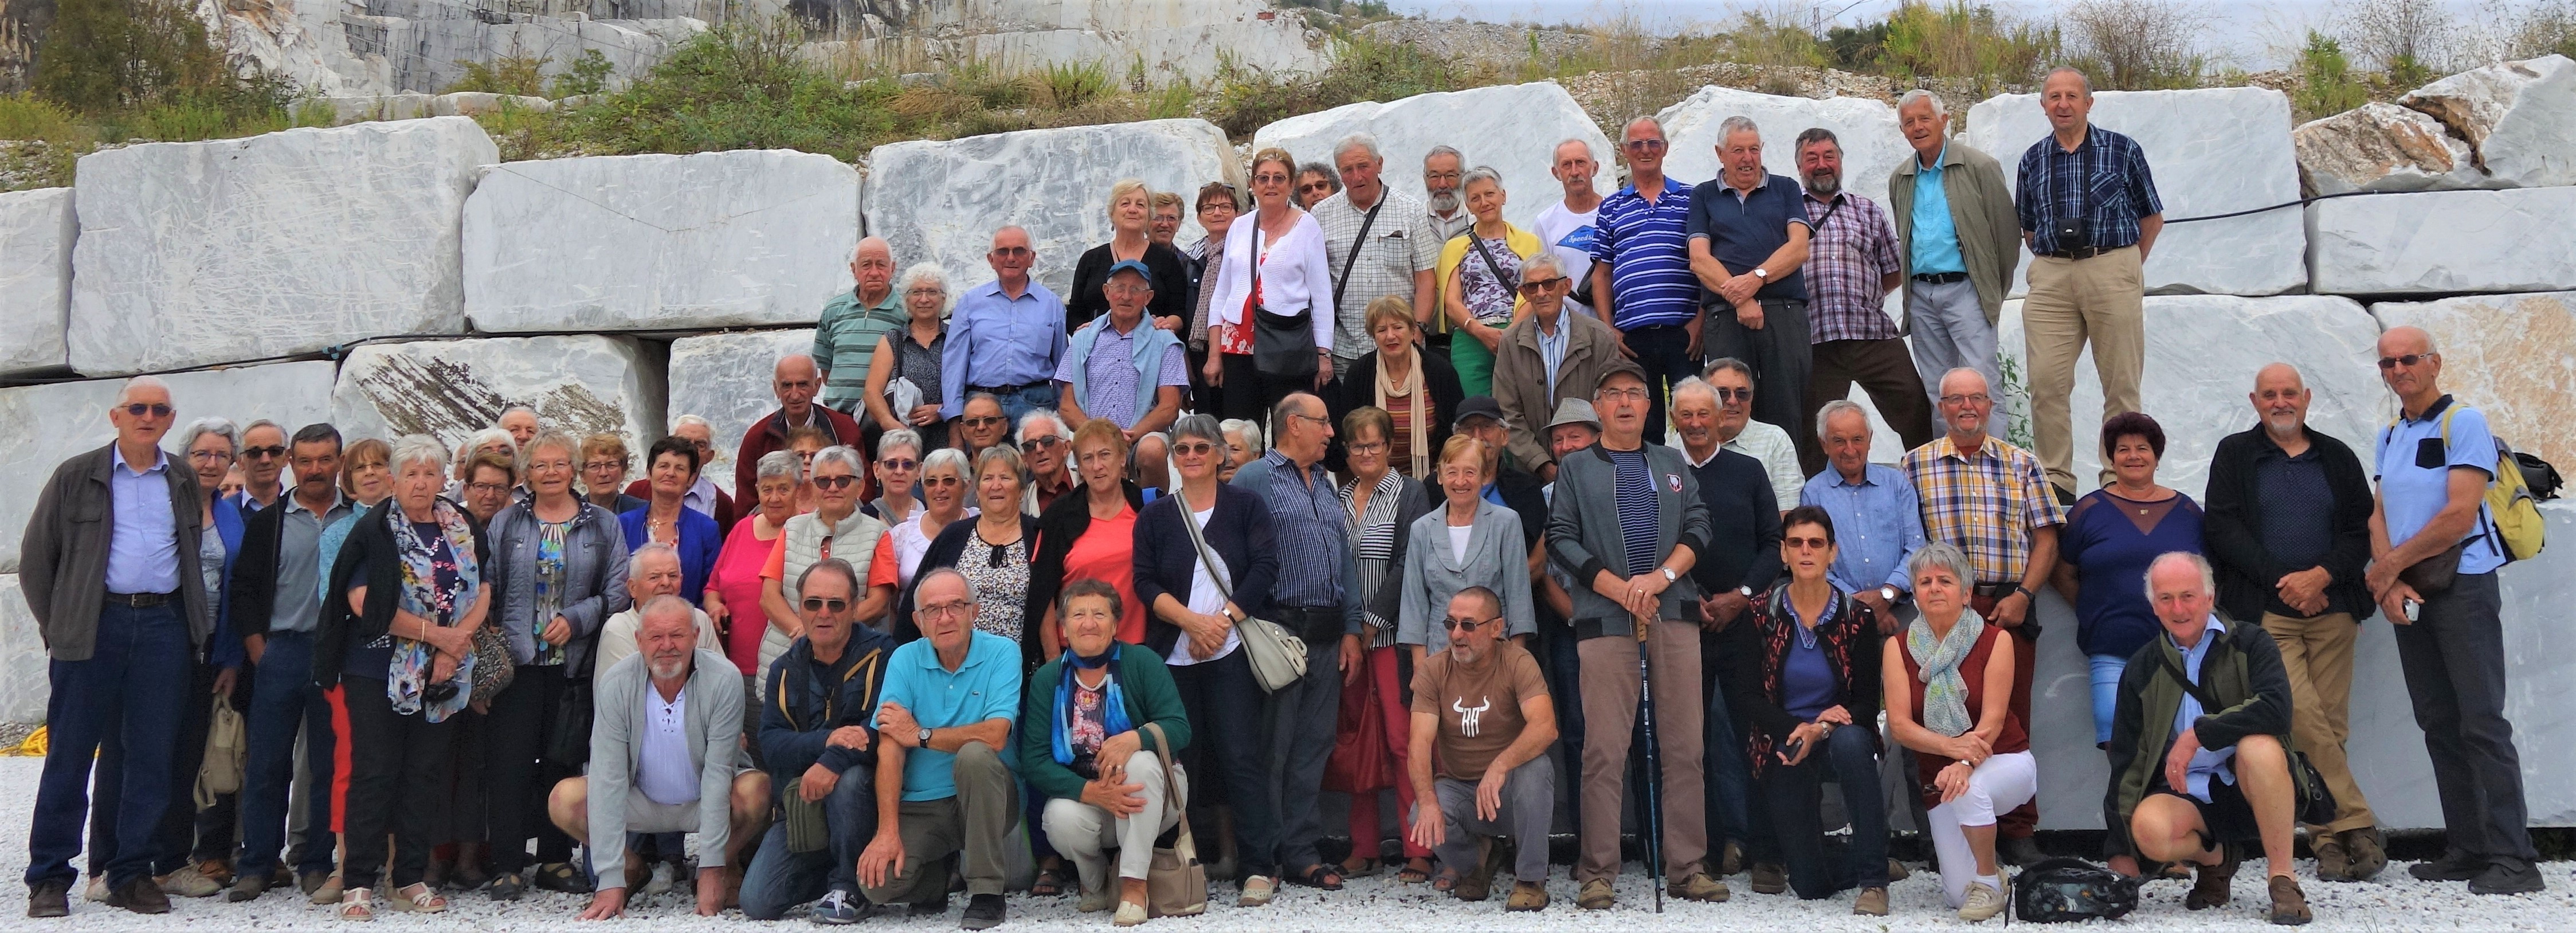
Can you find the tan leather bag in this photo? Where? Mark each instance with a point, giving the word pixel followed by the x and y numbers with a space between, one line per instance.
pixel 227 750
pixel 1175 883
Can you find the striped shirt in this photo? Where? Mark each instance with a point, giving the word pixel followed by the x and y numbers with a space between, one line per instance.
pixel 1649 257
pixel 2105 181
pixel 1312 531
pixel 1852 250
pixel 845 343
pixel 1986 503
pixel 1373 534
pixel 1640 511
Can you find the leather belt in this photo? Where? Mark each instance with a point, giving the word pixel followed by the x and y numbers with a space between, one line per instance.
pixel 1000 390
pixel 1994 590
pixel 142 600
pixel 2087 252
pixel 1315 624
pixel 1941 278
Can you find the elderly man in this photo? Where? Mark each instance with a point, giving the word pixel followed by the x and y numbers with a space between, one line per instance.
pixel 1642 273
pixel 845 335
pixel 981 424
pixel 1743 554
pixel 1047 448
pixel 1851 266
pixel 1991 500
pixel 1566 226
pixel 1119 369
pixel 2199 745
pixel 1748 234
pixel 1005 336
pixel 664 749
pixel 1369 237
pixel 2288 527
pixel 1482 708
pixel 262 461
pixel 2434 465
pixel 1444 216
pixel 818 744
pixel 1731 381
pixel 1959 239
pixel 1315 182
pixel 275 596
pixel 944 784
pixel 2086 198
pixel 108 565
pixel 1878 522
pixel 1629 528
pixel 794 381
pixel 520 421
pixel 653 570
pixel 1547 357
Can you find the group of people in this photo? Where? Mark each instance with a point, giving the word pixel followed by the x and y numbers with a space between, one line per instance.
pixel 995 562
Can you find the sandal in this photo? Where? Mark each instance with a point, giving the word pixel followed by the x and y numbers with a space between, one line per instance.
pixel 1445 882
pixel 1413 873
pixel 354 906
pixel 1318 876
pixel 1050 883
pixel 419 899
pixel 1358 867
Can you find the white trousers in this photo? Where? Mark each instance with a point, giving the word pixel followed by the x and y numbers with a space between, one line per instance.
pixel 1085 833
pixel 2002 783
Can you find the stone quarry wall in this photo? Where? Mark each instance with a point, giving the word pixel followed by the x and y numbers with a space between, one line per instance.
pixel 411 284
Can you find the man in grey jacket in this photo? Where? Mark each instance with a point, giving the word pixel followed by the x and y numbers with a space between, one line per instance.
pixel 1958 240
pixel 1628 529
pixel 664 746
pixel 109 568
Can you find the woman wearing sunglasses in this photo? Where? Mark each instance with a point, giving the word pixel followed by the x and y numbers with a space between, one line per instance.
pixel 1274 265
pixel 992 552
pixel 836 528
pixel 943 502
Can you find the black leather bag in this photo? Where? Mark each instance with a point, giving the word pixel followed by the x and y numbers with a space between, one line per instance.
pixel 2068 890
pixel 570 745
pixel 1283 345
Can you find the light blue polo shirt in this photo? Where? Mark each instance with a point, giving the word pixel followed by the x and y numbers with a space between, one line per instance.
pixel 987 686
pixel 2414 467
pixel 1936 242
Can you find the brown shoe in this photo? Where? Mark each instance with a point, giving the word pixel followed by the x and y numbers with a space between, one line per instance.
pixel 49 898
pixel 140 896
pixel 1596 894
pixel 1700 887
pixel 1527 895
pixel 1769 878
pixel 2333 863
pixel 1871 903
pixel 1478 884
pixel 2289 904
pixel 1896 871
pixel 2211 888
pixel 1732 861
pixel 2365 851
pixel 217 869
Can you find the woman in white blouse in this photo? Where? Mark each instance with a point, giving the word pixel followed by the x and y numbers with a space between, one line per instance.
pixel 1295 278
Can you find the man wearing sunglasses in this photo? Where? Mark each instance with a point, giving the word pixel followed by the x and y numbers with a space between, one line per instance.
pixel 1006 335
pixel 262 462
pixel 1547 358
pixel 819 748
pixel 1482 722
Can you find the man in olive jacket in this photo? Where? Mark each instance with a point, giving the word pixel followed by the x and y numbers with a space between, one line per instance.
pixel 1958 241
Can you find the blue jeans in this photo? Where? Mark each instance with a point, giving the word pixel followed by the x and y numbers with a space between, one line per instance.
pixel 283 699
pixel 134 687
pixel 1849 758
pixel 1730 785
pixel 777 880
pixel 1663 351
pixel 1018 402
pixel 2106 692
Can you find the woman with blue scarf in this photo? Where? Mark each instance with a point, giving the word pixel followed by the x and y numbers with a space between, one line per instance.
pixel 1082 745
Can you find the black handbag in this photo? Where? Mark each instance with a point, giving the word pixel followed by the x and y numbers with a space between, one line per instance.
pixel 570 745
pixel 1283 345
pixel 2068 890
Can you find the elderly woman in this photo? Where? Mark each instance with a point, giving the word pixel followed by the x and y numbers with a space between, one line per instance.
pixel 408 590
pixel 2111 535
pixel 1216 208
pixel 558 572
pixel 1243 444
pixel 1131 224
pixel 367 478
pixel 898 472
pixel 943 502
pixel 489 478
pixel 1091 536
pixel 1480 276
pixel 1803 671
pixel 604 464
pixel 835 527
pixel 1273 266
pixel 1419 392
pixel 805 442
pixel 488 440
pixel 1947 683
pixel 1197 597
pixel 1381 505
pixel 993 552
pixel 1315 182
pixel 912 355
pixel 1085 751
pixel 1467 542
pixel 671 464
pixel 733 587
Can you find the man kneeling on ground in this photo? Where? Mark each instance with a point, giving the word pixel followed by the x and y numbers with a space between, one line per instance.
pixel 944 783
pixel 1483 705
pixel 821 752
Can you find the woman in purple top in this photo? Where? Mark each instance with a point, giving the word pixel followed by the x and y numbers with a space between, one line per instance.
pixel 2111 536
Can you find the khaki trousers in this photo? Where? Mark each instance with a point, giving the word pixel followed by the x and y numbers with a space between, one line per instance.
pixel 1610 704
pixel 2318 655
pixel 2071 302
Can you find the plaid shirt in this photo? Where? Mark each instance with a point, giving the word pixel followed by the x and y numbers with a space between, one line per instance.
pixel 1385 267
pixel 1987 505
pixel 2105 180
pixel 1850 252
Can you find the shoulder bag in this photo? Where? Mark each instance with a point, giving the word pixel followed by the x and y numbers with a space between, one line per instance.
pixel 1278 656
pixel 1357 244
pixel 1511 283
pixel 1175 882
pixel 1283 345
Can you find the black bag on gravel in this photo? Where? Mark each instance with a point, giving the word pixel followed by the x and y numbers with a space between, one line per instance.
pixel 2066 890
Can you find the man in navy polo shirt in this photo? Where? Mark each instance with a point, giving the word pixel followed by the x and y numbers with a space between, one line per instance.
pixel 1748 244
pixel 1641 262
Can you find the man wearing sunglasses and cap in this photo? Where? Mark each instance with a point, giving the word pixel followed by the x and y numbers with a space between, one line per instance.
pixel 1120 368
pixel 821 752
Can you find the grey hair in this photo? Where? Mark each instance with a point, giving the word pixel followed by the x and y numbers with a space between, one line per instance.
pixel 1363 142
pixel 1838 406
pixel 1318 168
pixel 1694 384
pixel 835 565
pixel 1970 370
pixel 496 419
pixel 1481 173
pixel 1202 427
pixel 476 440
pixel 1736 124
pixel 778 463
pixel 2080 77
pixel 1923 95
pixel 1543 259
pixel 927 272
pixel 142 382
pixel 418 448
pixel 635 561
pixel 973 397
pixel 220 427
pixel 1246 428
pixel 1650 120
pixel 844 455
pixel 1005 454
pixel 922 582
pixel 1729 364
pixel 258 423
pixel 1944 555
pixel 1041 415
pixel 1574 141
pixel 2208 577
pixel 666 604
pixel 1444 150
pixel 546 438
pixel 899 437
pixel 945 458
pixel 689 420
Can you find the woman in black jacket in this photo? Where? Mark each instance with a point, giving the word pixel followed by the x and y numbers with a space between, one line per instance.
pixel 1418 390
pixel 993 553
pixel 1131 216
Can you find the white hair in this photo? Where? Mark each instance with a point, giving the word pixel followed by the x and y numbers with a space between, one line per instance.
pixel 1736 124
pixel 684 421
pixel 1543 259
pixel 900 437
pixel 1246 430
pixel 2208 577
pixel 1042 416
pixel 1481 173
pixel 219 427
pixel 1575 141
pixel 926 272
pixel 1923 95
pixel 1696 385
pixel 635 561
pixel 1361 141
pixel 477 440
pixel 419 448
pixel 844 455
pixel 779 463
pixel 1944 555
pixel 945 458
pixel 126 394
pixel 1825 415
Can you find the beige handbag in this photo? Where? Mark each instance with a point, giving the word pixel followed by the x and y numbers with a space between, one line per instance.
pixel 1175 883
pixel 227 749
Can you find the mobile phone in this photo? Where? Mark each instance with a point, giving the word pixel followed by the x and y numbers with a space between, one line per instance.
pixel 2414 609
pixel 1794 748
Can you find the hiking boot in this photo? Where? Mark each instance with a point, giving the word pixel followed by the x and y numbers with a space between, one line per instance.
pixel 1871 903
pixel 2210 888
pixel 248 888
pixel 1984 901
pixel 1769 878
pixel 983 912
pixel 312 881
pixel 2289 904
pixel 2508 876
pixel 2333 862
pixel 1595 894
pixel 188 882
pixel 328 893
pixel 140 896
pixel 2365 853
pixel 2021 852
pixel 2454 865
pixel 1526 895
pixel 1478 883
pixel 49 898
pixel 1700 887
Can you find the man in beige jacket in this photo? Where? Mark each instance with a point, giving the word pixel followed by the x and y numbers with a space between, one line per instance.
pixel 1958 238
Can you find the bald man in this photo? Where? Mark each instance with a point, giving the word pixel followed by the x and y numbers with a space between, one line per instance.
pixel 795 380
pixel 1005 336
pixel 845 335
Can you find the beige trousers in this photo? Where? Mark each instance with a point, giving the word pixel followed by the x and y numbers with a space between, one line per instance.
pixel 2072 302
pixel 2318 656
pixel 1610 687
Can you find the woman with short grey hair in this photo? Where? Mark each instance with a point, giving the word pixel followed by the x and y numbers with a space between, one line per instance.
pixel 912 354
pixel 1947 683
pixel 1481 272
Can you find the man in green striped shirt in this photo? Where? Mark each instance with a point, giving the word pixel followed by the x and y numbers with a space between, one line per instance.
pixel 845 337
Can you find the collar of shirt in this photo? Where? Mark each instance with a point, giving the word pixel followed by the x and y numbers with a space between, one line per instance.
pixel 1841 482
pixel 161 461
pixel 1950 448
pixel 2192 654
pixel 1742 194
pixel 1698 461
pixel 1938 159
pixel 1826 201
pixel 1670 187
pixel 338 503
pixel 1493 492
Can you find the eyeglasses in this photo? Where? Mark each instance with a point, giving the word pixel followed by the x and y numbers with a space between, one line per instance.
pixel 1465 626
pixel 833 482
pixel 487 489
pixel 1270 178
pixel 269 452
pixel 823 604
pixel 942 481
pixel 1977 398
pixel 1805 544
pixel 1644 145
pixel 1012 252
pixel 212 456
pixel 2385 362
pixel 604 465
pixel 1042 442
pixel 1450 177
pixel 928 293
pixel 1199 449
pixel 1535 286
pixel 1734 395
pixel 984 422
pixel 140 409
pixel 898 465
pixel 1632 394
pixel 945 610
pixel 1368 450
pixel 1322 421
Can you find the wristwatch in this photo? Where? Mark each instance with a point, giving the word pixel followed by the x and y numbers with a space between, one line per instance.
pixel 1762 273
pixel 2025 592
pixel 1669 575
pixel 924 737
pixel 1887 592
pixel 1744 591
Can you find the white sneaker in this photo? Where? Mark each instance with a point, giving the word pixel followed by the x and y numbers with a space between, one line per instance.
pixel 662 879
pixel 1983 902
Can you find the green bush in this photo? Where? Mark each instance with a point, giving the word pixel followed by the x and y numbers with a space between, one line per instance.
pixel 2326 83
pixel 107 54
pixel 737 86
pixel 1074 84
pixel 508 74
pixel 1363 69
pixel 587 75
pixel 1957 40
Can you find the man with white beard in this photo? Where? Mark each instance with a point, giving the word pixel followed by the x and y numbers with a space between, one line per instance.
pixel 1444 217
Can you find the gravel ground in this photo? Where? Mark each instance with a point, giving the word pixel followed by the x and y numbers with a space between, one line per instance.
pixel 1371 904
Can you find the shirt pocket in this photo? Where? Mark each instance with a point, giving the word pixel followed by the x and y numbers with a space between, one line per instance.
pixel 2430 455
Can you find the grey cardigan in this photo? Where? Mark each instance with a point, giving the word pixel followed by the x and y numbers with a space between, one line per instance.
pixel 1583 536
pixel 712 727
pixel 594 571
pixel 62 562
pixel 1433 573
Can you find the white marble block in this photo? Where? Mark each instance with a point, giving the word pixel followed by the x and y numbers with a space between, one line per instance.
pixel 2444 242
pixel 2512 356
pixel 653 242
pixel 289 242
pixel 449 389
pixel 1865 128
pixel 725 378
pixel 1512 128
pixel 2519 116
pixel 36 233
pixel 2383 147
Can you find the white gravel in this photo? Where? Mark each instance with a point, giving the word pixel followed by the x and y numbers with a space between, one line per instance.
pixel 1376 905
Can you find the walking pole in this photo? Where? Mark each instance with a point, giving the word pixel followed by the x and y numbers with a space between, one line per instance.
pixel 1654 770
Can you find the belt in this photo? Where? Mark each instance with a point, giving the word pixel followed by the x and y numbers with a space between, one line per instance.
pixel 142 600
pixel 1995 590
pixel 998 390
pixel 1941 278
pixel 2085 253
pixel 1312 623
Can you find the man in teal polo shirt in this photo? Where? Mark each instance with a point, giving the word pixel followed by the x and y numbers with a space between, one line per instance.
pixel 944 781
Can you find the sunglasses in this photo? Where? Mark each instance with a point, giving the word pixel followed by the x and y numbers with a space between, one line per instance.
pixel 1637 145
pixel 1012 252
pixel 2385 362
pixel 1535 286
pixel 1043 443
pixel 1199 449
pixel 833 482
pixel 1805 544
pixel 1465 626
pixel 270 452
pixel 140 409
pixel 1734 395
pixel 821 604
pixel 898 465
pixel 985 421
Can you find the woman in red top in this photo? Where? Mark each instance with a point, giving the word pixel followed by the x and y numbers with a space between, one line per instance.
pixel 1091 536
pixel 1948 686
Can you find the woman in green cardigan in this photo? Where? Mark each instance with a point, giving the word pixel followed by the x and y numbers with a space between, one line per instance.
pixel 1082 744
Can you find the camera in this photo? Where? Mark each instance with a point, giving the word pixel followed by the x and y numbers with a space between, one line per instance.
pixel 2072 234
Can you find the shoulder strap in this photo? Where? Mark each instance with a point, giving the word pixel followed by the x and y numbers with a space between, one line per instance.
pixel 2208 703
pixel 1829 214
pixel 1199 541
pixel 1510 283
pixel 1356 243
pixel 1176 798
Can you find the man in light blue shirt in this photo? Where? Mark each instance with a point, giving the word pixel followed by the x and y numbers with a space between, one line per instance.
pixel 1877 519
pixel 1005 337
pixel 944 769
pixel 1958 239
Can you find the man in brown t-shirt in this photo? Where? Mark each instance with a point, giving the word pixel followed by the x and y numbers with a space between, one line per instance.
pixel 1482 718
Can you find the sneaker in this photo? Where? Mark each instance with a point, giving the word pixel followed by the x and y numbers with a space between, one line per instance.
pixel 2508 876
pixel 2210 887
pixel 1700 887
pixel 1871 903
pixel 562 877
pixel 48 899
pixel 2366 851
pixel 2333 862
pixel 839 907
pixel 983 912
pixel 2289 904
pixel 2454 865
pixel 1526 895
pixel 95 891
pixel 1595 894
pixel 1984 902
pixel 2020 852
pixel 661 880
pixel 140 896
pixel 1769 878
pixel 1258 890
pixel 220 870
pixel 188 882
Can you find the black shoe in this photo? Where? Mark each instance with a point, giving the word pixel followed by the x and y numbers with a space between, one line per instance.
pixel 983 912
pixel 2454 865
pixel 140 896
pixel 509 886
pixel 2021 852
pixel 562 877
pixel 929 908
pixel 2508 876
pixel 248 888
pixel 49 899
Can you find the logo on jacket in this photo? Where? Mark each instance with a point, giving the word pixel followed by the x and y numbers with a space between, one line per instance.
pixel 1673 481
pixel 1468 719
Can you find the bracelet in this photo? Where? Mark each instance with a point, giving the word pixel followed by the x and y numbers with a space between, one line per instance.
pixel 2025 592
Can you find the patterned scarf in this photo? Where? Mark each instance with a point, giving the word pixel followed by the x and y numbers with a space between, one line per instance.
pixel 1945 693
pixel 423 597
pixel 1113 704
pixel 1777 622
pixel 1418 415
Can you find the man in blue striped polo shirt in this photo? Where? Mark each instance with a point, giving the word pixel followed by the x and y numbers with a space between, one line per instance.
pixel 1641 265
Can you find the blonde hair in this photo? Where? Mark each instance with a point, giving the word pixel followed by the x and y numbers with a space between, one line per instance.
pixel 1275 154
pixel 1389 306
pixel 1462 445
pixel 1127 186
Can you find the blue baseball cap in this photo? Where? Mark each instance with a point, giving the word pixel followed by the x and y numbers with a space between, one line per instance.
pixel 1131 265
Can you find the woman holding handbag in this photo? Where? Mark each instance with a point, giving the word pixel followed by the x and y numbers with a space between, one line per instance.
pixel 1107 782
pixel 1480 276
pixel 1381 504
pixel 1273 286
pixel 912 355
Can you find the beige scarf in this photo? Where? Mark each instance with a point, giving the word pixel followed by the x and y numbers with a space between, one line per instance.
pixel 1419 418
